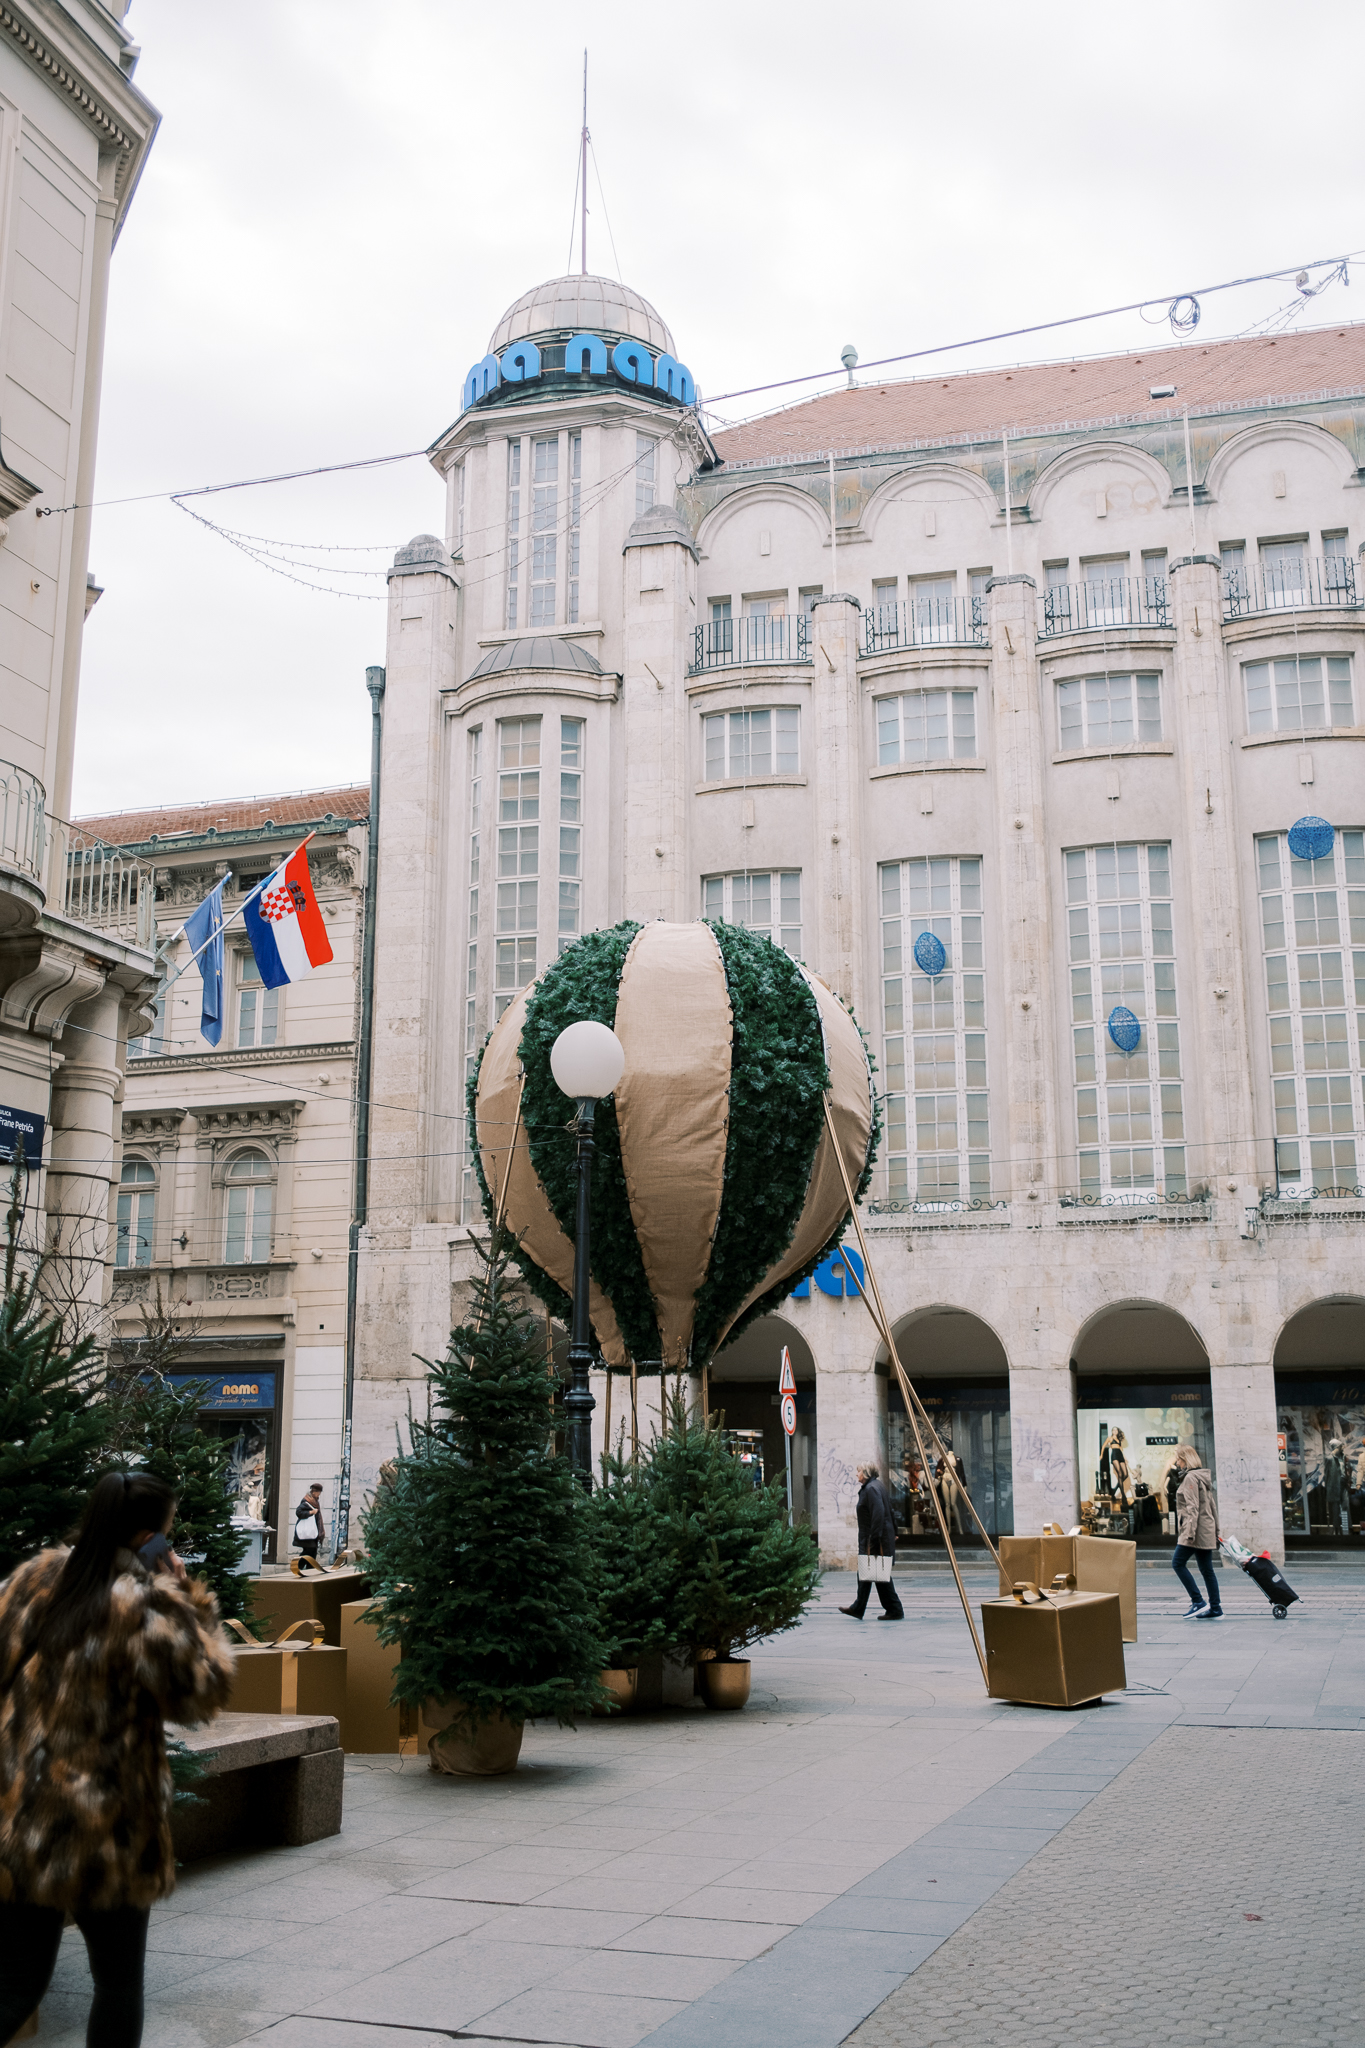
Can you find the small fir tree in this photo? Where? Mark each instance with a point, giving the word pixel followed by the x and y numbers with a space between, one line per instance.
pixel 51 1425
pixel 635 1576
pixel 736 1571
pixel 478 1548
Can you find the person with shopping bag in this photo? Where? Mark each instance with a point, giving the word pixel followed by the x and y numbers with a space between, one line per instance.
pixel 1197 1535
pixel 309 1527
pixel 876 1547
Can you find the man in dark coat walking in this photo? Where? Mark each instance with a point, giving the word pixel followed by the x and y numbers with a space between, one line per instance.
pixel 876 1538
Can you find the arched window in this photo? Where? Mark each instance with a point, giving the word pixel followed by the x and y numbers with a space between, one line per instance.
pixel 250 1199
pixel 136 1214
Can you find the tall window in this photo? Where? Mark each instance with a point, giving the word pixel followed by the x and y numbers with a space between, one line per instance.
pixel 250 1200
pixel 1106 591
pixel 1233 557
pixel 471 978
pixel 767 903
pixel 1129 1104
pixel 1299 694
pixel 1108 711
pixel 934 1030
pixel 513 531
pixel 931 607
pixel 514 945
pixel 926 725
pixel 646 461
pixel 459 508
pixel 258 1009
pixel 570 830
pixel 1313 926
pixel 740 744
pixel 544 528
pixel 1284 568
pixel 575 519
pixel 135 1214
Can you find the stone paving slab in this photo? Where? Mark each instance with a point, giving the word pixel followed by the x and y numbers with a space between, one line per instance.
pixel 733 1878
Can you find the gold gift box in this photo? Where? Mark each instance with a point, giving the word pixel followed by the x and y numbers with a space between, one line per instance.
pixel 370 1726
pixel 1099 1564
pixel 289 1677
pixel 1055 1652
pixel 279 1598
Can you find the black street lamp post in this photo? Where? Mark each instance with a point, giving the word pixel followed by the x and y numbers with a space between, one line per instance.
pixel 587 1060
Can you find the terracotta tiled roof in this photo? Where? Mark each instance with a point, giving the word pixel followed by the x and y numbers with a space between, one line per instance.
pixel 231 814
pixel 1032 397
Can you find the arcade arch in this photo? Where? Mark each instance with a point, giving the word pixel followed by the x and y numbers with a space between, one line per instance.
pixel 959 1368
pixel 741 1381
pixel 1142 1390
pixel 1319 1364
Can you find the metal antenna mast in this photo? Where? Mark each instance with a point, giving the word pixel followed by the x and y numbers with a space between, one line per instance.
pixel 583 166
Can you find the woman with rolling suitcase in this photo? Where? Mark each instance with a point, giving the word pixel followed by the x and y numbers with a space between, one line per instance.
pixel 1197 1536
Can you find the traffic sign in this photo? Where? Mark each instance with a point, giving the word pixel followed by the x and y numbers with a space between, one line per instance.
pixel 786 1379
pixel 788 1412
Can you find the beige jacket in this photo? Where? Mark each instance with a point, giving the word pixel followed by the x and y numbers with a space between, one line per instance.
pixel 1196 1508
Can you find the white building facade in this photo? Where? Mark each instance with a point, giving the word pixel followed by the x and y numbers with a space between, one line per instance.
pixel 1007 743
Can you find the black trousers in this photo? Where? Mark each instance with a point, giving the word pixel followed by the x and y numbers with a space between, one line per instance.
pixel 886 1593
pixel 116 1942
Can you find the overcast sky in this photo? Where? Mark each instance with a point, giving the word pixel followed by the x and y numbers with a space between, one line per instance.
pixel 344 197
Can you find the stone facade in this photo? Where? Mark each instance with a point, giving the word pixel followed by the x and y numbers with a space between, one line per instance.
pixel 1064 722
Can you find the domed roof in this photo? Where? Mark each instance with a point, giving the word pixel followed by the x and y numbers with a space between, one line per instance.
pixel 597 305
pixel 543 651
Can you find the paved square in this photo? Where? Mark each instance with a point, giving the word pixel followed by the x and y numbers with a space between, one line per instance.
pixel 872 1845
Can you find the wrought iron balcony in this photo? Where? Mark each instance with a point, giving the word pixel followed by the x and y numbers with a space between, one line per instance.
pixel 741 643
pixel 925 622
pixel 23 822
pixel 1101 602
pixel 102 887
pixel 1303 583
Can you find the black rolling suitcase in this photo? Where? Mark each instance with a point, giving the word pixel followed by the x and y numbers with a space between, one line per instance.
pixel 1272 1583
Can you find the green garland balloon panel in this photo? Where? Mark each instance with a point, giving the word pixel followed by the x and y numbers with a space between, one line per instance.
pixel 715 1180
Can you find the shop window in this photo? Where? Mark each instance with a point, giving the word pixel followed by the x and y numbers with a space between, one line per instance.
pixel 135 1214
pixel 973 1424
pixel 249 1208
pixel 767 903
pixel 1129 1095
pixel 1321 1439
pixel 1127 1436
pixel 1313 933
pixel 934 1026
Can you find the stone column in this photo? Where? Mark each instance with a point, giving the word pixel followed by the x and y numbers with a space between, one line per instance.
pixel 86 1091
pixel 1247 1474
pixel 1212 987
pixel 1024 1126
pixel 1043 1438
pixel 833 885
pixel 850 1417
pixel 660 576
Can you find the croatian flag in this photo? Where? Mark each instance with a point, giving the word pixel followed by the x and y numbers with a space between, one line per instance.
pixel 285 925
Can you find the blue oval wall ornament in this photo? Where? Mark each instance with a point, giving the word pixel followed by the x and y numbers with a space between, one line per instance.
pixel 930 957
pixel 1311 839
pixel 1124 1029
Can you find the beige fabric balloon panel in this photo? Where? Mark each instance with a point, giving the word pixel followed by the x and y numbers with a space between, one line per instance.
pixel 678 1142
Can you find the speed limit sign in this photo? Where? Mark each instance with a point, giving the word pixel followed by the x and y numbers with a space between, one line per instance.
pixel 788 1412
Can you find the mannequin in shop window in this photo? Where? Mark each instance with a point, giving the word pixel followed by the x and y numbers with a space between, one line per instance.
pixel 1115 1479
pixel 1335 1482
pixel 951 1481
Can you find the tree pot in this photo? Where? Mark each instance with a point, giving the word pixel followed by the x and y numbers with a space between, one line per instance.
pixel 488 1751
pixel 623 1685
pixel 724 1682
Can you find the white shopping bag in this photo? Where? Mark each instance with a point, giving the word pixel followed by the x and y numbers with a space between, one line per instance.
pixel 875 1567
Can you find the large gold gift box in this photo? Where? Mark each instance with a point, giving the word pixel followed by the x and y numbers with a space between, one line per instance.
pixel 1054 1653
pixel 1099 1564
pixel 370 1726
pixel 287 1677
pixel 279 1598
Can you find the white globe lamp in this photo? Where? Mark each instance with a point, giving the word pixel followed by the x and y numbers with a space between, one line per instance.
pixel 587 1060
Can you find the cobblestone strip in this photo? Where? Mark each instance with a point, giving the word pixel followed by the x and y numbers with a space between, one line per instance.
pixel 1213 1892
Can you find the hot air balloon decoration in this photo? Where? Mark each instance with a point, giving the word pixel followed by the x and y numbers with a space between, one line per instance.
pixel 716 1186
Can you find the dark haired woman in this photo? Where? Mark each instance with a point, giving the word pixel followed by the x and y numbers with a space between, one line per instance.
pixel 95 1653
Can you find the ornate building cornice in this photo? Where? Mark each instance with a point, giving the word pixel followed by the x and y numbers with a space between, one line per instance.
pixel 254 1056
pixel 236 1119
pixel 92 84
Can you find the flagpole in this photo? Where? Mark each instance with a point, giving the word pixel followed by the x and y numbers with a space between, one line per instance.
pixel 240 911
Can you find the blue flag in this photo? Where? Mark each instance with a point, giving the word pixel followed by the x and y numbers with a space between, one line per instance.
pixel 205 928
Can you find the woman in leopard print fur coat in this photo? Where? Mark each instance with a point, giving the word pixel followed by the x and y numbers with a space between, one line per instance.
pixel 96 1653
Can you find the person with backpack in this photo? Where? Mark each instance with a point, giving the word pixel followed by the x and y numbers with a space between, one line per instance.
pixel 1197 1534
pixel 96 1654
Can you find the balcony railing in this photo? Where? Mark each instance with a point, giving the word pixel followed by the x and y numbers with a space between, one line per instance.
pixel 737 643
pixel 1099 602
pixel 100 886
pixel 926 622
pixel 1304 583
pixel 23 821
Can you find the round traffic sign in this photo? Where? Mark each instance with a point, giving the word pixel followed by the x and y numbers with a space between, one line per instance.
pixel 789 1414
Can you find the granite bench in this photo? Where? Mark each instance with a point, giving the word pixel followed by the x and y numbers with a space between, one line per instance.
pixel 273 1781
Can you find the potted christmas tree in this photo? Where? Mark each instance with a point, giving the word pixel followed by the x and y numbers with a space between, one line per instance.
pixel 478 1546
pixel 736 1572
pixel 634 1576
